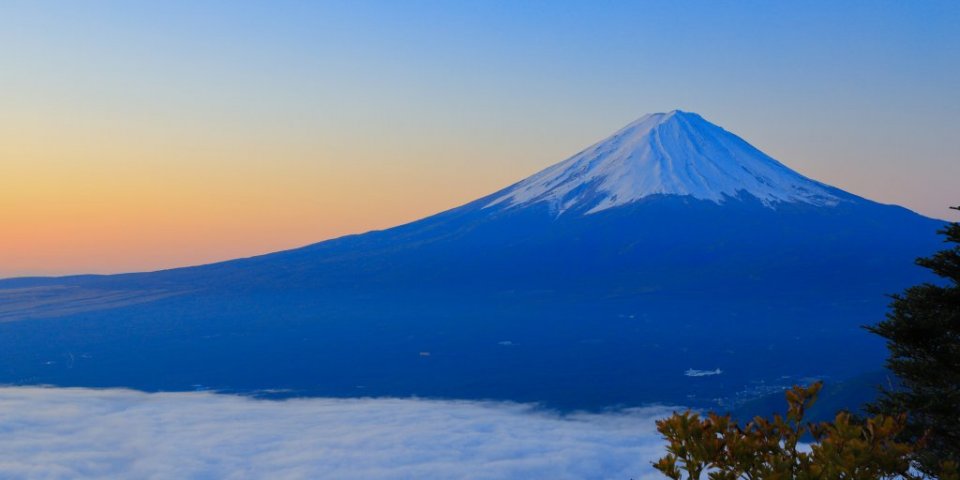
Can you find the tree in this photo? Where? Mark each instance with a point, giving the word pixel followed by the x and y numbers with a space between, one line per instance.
pixel 771 449
pixel 922 331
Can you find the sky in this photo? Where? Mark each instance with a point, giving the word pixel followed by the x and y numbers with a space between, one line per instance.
pixel 147 135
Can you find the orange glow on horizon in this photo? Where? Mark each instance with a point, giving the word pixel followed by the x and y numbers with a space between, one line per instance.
pixel 85 206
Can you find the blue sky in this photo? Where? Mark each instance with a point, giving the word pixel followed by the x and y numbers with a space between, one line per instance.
pixel 305 120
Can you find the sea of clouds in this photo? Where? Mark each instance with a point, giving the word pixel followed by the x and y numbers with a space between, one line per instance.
pixel 72 433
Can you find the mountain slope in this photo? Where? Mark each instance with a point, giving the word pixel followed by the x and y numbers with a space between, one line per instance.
pixel 671 245
pixel 675 153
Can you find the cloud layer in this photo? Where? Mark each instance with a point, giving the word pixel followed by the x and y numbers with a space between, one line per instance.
pixel 55 433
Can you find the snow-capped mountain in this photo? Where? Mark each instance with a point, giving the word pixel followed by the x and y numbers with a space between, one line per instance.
pixel 595 282
pixel 675 153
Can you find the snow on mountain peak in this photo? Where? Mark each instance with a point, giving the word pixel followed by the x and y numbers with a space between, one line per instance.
pixel 673 153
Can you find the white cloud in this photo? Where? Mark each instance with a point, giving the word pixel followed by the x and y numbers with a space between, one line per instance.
pixel 57 433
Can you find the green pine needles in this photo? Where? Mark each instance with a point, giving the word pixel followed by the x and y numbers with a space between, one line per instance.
pixel 922 331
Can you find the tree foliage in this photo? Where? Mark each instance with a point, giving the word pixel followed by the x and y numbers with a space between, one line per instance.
pixel 922 331
pixel 785 447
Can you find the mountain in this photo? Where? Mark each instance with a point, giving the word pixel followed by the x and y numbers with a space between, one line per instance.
pixel 671 246
pixel 674 153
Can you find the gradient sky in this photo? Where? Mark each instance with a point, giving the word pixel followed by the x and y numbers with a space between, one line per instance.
pixel 145 135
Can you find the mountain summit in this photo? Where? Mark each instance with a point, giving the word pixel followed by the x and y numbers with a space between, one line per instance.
pixel 674 153
pixel 669 248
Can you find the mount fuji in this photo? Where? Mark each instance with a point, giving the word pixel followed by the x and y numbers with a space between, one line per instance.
pixel 671 247
pixel 674 153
